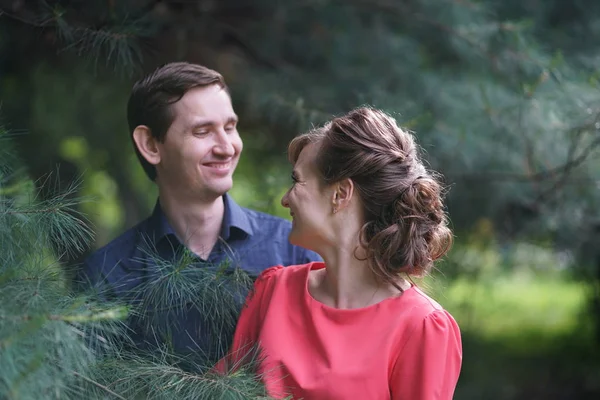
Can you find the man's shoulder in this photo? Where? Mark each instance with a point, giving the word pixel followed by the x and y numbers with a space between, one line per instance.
pixel 116 250
pixel 263 221
pixel 270 241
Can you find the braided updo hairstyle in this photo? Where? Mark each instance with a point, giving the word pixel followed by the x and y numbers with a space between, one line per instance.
pixel 406 227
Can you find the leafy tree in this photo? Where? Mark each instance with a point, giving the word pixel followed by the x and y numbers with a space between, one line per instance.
pixel 503 95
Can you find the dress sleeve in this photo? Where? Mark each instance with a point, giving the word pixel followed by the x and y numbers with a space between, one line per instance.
pixel 428 365
pixel 244 347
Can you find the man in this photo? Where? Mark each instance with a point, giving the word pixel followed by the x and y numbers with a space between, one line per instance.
pixel 184 131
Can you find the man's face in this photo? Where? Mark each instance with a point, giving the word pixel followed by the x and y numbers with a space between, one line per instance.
pixel 202 146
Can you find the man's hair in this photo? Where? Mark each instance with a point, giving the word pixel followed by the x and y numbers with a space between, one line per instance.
pixel 406 227
pixel 152 97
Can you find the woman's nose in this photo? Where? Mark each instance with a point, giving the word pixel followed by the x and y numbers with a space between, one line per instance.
pixel 284 200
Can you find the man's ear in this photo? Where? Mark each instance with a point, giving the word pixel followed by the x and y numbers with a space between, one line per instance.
pixel 146 144
pixel 344 190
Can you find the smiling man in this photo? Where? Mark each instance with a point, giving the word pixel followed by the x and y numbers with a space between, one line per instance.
pixel 184 131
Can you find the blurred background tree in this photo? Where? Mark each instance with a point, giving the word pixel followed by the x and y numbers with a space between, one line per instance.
pixel 503 96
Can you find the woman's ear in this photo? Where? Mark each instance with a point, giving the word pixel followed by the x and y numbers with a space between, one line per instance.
pixel 146 144
pixel 342 195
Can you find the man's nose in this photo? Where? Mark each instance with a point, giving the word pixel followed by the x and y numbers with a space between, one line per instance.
pixel 224 145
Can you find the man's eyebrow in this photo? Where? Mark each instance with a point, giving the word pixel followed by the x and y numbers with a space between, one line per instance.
pixel 201 124
pixel 208 123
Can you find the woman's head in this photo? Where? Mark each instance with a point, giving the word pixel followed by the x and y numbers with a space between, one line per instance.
pixel 405 225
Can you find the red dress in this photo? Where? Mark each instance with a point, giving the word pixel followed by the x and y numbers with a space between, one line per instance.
pixel 405 347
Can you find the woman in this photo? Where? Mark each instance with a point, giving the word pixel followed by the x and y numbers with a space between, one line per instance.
pixel 354 326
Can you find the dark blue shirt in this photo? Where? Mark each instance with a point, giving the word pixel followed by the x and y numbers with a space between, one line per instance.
pixel 250 240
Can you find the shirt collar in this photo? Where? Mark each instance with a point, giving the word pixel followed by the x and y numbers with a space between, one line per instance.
pixel 235 218
pixel 158 226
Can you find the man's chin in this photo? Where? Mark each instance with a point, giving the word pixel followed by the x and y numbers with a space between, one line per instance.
pixel 221 188
pixel 212 193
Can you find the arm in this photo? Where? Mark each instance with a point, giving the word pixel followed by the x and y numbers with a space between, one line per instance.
pixel 428 365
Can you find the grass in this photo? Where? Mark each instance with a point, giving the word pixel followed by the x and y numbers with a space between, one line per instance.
pixel 524 337
pixel 509 306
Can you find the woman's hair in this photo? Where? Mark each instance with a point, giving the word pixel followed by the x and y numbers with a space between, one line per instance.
pixel 405 226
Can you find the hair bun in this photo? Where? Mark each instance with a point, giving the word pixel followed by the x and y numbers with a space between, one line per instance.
pixel 405 226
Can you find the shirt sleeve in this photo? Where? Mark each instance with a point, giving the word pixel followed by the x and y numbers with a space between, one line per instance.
pixel 245 340
pixel 429 363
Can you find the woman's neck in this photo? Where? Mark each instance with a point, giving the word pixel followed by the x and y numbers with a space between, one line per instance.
pixel 348 282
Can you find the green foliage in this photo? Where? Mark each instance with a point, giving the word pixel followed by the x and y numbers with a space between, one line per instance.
pixel 153 377
pixel 181 285
pixel 55 344
pixel 504 292
pixel 503 96
pixel 523 323
pixel 510 121
pixel 42 326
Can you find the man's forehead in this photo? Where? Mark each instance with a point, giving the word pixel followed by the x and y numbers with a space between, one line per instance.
pixel 204 97
pixel 198 113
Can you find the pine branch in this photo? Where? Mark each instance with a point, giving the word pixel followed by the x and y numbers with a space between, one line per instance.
pixel 182 286
pixel 115 43
pixel 112 314
pixel 99 40
pixel 61 223
pixel 107 390
pixel 38 24
pixel 152 378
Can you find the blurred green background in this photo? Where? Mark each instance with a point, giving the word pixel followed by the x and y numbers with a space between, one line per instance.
pixel 503 96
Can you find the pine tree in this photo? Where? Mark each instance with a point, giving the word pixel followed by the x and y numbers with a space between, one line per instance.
pixel 502 94
pixel 58 344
